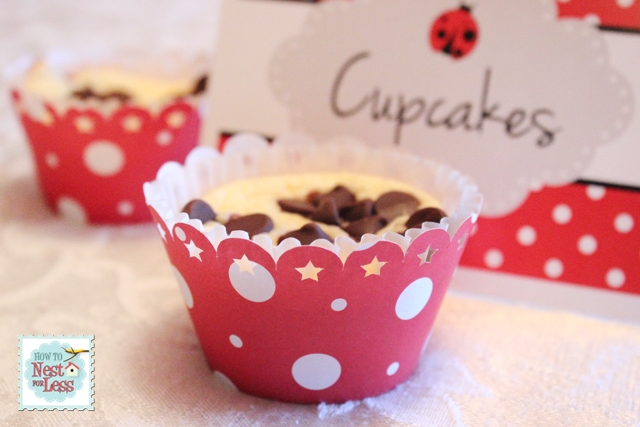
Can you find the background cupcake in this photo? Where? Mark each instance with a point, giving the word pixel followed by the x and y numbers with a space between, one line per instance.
pixel 325 322
pixel 100 127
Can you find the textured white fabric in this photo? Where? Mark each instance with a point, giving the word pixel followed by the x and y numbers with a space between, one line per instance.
pixel 488 363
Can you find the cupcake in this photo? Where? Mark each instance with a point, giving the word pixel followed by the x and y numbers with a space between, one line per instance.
pixel 98 129
pixel 330 318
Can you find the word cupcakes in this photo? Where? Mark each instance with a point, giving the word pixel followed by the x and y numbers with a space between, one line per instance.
pixel 344 316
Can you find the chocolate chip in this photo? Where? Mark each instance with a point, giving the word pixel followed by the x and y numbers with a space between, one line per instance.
pixel 359 210
pixel 200 86
pixel 363 226
pixel 306 234
pixel 395 203
pixel 426 214
pixel 84 93
pixel 252 224
pixel 341 195
pixel 87 92
pixel 296 206
pixel 326 212
pixel 314 198
pixel 199 209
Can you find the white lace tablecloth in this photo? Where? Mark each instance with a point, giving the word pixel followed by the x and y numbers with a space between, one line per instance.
pixel 489 363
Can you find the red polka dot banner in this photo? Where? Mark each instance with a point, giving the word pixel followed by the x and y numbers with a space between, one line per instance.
pixel 615 14
pixel 583 233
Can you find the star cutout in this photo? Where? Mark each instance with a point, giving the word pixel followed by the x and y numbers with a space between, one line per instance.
pixel 163 233
pixel 132 124
pixel 373 267
pixel 309 271
pixel 425 257
pixel 176 119
pixel 194 251
pixel 244 264
pixel 84 124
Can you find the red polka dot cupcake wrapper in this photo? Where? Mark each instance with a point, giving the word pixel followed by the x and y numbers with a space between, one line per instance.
pixel 326 322
pixel 91 163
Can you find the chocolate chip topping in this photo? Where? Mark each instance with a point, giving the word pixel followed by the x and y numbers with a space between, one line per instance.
pixel 200 86
pixel 337 207
pixel 87 93
pixel 314 197
pixel 359 210
pixel 395 203
pixel 306 234
pixel 252 224
pixel 301 207
pixel 340 195
pixel 199 209
pixel 426 214
pixel 372 224
pixel 327 212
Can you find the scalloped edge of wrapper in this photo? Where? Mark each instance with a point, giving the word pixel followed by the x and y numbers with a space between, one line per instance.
pixel 311 323
pixel 92 156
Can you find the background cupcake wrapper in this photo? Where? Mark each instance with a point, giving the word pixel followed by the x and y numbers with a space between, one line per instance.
pixel 91 166
pixel 92 156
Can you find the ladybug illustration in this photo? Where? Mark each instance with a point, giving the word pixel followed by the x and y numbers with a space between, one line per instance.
pixel 455 32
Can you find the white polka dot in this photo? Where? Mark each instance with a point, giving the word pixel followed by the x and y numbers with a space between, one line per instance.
pixel 257 287
pixel 624 4
pixel 493 258
pixel 592 19
pixel 125 208
pixel 615 278
pixel 52 160
pixel 235 340
pixel 596 192
pixel 316 371
pixel 562 214
pixel 104 158
pixel 339 304
pixel 553 268
pixel 164 137
pixel 184 288
pixel 623 223
pixel 393 368
pixel 71 210
pixel 414 298
pixel 526 235
pixel 587 244
pixel 180 234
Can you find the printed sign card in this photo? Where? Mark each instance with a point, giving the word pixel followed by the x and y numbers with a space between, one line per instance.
pixel 525 96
